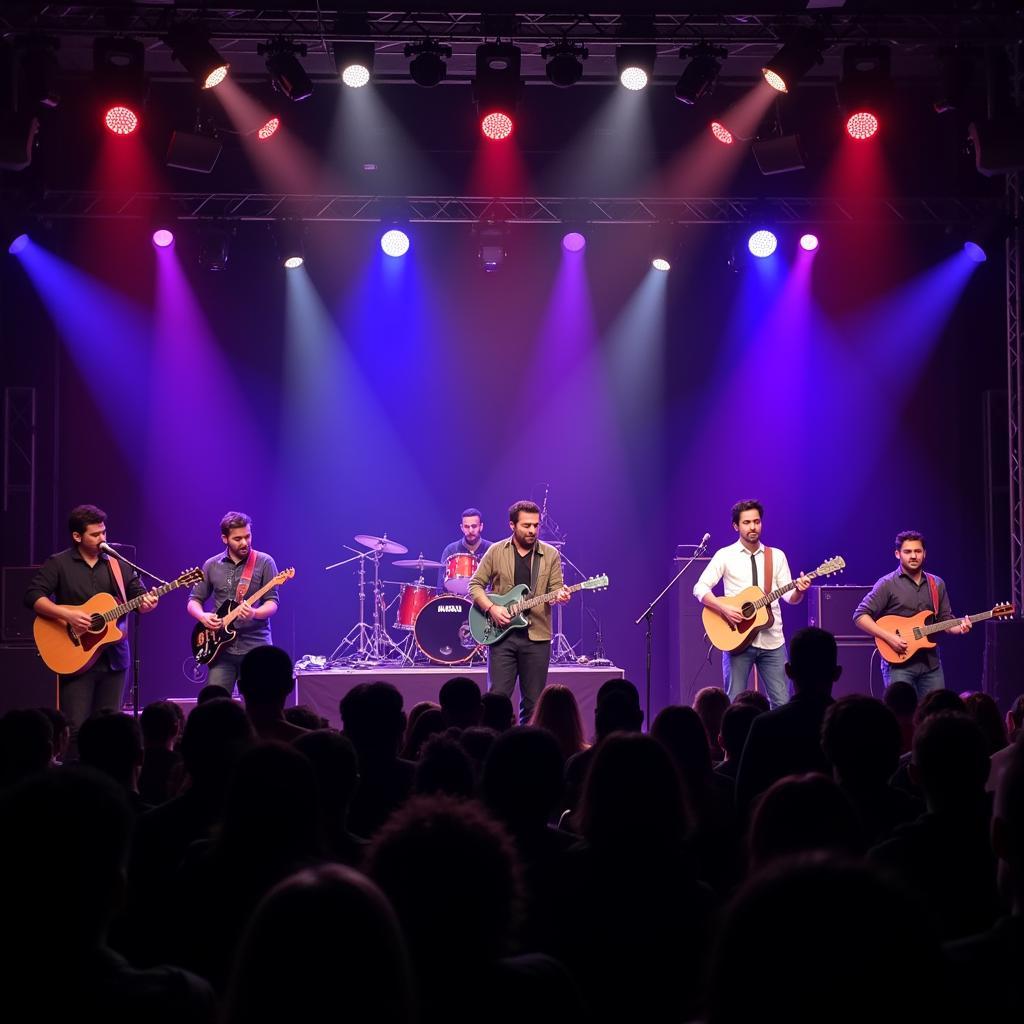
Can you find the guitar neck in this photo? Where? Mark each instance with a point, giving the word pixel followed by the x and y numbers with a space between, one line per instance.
pixel 532 602
pixel 936 627
pixel 129 606
pixel 233 614
pixel 771 598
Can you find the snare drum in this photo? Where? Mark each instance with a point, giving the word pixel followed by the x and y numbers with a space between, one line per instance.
pixel 459 570
pixel 411 600
pixel 442 630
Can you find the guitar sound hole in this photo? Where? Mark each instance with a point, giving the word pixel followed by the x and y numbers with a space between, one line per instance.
pixel 748 611
pixel 97 625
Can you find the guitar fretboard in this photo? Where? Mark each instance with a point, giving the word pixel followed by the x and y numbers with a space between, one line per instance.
pixel 936 627
pixel 531 602
pixel 129 606
pixel 771 598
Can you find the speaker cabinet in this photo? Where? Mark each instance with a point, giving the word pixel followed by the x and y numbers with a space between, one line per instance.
pixel 693 667
pixel 15 619
pixel 862 669
pixel 832 608
pixel 27 682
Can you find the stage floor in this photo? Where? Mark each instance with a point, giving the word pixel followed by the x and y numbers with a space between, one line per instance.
pixel 323 689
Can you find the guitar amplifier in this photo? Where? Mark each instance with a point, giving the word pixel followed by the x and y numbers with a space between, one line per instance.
pixel 832 608
pixel 15 618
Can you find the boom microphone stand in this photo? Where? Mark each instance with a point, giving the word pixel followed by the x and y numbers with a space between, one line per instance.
pixel 649 616
pixel 136 658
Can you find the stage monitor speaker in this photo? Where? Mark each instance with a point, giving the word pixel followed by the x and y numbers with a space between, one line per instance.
pixel 1004 656
pixel 27 682
pixel 832 608
pixel 16 619
pixel 862 669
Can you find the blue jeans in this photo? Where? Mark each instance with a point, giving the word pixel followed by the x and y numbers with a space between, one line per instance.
pixel 224 671
pixel 922 682
pixel 771 668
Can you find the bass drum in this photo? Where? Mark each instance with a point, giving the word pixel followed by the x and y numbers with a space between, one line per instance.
pixel 442 630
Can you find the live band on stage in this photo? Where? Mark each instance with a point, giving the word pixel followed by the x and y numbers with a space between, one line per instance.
pixel 491 603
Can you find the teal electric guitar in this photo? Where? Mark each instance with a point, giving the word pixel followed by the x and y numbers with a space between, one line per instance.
pixel 517 604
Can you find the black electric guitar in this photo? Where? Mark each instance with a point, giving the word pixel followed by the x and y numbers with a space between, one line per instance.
pixel 206 642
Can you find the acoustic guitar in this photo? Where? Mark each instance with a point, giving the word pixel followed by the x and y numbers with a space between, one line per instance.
pixel 206 643
pixel 916 629
pixel 68 652
pixel 756 608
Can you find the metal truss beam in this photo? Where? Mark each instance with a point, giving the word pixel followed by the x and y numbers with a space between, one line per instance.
pixel 238 206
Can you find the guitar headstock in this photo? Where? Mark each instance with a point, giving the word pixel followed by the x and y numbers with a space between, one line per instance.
pixel 190 577
pixel 284 574
pixel 595 583
pixel 831 567
pixel 1002 611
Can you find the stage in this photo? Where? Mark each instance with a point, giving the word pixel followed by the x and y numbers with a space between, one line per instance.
pixel 323 689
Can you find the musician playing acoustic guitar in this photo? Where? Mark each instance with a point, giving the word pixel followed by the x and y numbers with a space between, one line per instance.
pixel 67 580
pixel 228 577
pixel 906 591
pixel 744 564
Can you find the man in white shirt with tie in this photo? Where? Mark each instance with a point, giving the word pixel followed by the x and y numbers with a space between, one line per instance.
pixel 743 565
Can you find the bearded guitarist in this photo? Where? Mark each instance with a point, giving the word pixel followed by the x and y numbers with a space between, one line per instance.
pixel 523 653
pixel 906 591
pixel 66 581
pixel 238 570
pixel 744 564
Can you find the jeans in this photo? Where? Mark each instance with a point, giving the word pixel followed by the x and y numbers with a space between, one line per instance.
pixel 922 682
pixel 518 655
pixel 92 690
pixel 771 669
pixel 224 671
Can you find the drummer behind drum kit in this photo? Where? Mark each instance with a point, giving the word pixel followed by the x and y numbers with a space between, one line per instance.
pixel 437 624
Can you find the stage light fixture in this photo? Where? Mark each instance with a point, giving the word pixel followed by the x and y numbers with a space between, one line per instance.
pixel 190 46
pixel 291 243
pixel 809 242
pixel 635 64
pixel 192 151
pixel 427 67
pixel 119 70
pixel 214 247
pixel 865 89
pixel 794 60
pixel 394 242
pixel 574 241
pixel 762 243
pixel 564 62
pixel 998 144
pixel 699 76
pixel 720 132
pixel 778 154
pixel 985 235
pixel 38 71
pixel 354 61
pixel 862 125
pixel 975 251
pixel 953 80
pixel 163 238
pixel 497 87
pixel 287 75
pixel 492 246
pixel 18 244
pixel 662 264
pixel 269 129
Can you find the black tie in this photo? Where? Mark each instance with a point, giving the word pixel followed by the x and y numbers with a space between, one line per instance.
pixel 753 570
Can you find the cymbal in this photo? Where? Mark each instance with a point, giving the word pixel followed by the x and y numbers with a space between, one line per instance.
pixel 417 563
pixel 381 544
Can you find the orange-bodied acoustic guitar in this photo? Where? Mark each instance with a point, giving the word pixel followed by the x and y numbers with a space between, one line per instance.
pixel 68 652
pixel 916 629
pixel 756 607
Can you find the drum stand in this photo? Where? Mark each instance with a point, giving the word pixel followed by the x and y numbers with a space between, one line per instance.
pixel 563 652
pixel 373 645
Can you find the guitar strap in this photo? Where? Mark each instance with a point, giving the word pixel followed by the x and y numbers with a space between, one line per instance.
pixel 243 584
pixel 115 571
pixel 768 577
pixel 933 587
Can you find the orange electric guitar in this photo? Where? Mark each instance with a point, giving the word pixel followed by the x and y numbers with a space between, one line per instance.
pixel 756 608
pixel 916 629
pixel 67 652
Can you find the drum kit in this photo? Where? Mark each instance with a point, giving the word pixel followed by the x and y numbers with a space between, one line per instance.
pixel 436 624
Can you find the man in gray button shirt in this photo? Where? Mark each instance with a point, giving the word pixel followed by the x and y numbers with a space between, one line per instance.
pixel 221 577
pixel 906 592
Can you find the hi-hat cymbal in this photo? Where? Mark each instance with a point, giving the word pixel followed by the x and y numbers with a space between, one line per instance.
pixel 381 544
pixel 417 563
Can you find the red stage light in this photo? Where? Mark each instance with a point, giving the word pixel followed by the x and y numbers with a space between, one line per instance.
pixel 721 133
pixel 121 120
pixel 862 125
pixel 269 128
pixel 496 125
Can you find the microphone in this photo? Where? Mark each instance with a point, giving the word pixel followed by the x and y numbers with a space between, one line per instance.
pixel 108 550
pixel 704 540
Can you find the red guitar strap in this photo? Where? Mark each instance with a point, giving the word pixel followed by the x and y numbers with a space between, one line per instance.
pixel 933 587
pixel 243 583
pixel 115 571
pixel 768 577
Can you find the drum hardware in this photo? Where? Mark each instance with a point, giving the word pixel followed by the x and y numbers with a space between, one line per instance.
pixel 420 563
pixel 369 645
pixel 459 570
pixel 562 652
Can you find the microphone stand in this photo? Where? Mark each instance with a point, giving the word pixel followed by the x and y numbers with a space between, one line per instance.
pixel 136 659
pixel 649 616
